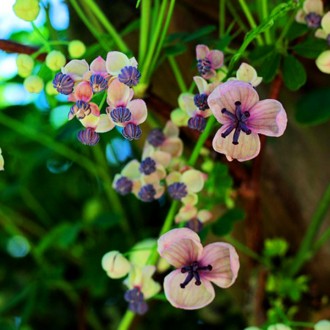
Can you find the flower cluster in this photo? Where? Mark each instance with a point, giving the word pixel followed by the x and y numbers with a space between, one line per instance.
pixel 114 77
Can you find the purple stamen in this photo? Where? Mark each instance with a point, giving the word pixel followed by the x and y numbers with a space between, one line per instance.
pixel 120 115
pixel 197 122
pixel 195 224
pixel 200 101
pixel 124 186
pixel 156 137
pixel 136 301
pixel 129 75
pixel 147 166
pixel 80 109
pixel 238 122
pixel 204 66
pixel 147 193
pixel 63 83
pixel 313 20
pixel 98 83
pixel 193 272
pixel 88 136
pixel 177 190
pixel 132 132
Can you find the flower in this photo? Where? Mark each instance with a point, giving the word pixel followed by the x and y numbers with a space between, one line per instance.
pixel 322 325
pixel 248 74
pixel 216 262
pixel 33 84
pixel 76 48
pixel 236 105
pixel 26 9
pixel 115 264
pixel 55 60
pixel 208 61
pixel 311 13
pixel 324 32
pixel 2 162
pixel 25 64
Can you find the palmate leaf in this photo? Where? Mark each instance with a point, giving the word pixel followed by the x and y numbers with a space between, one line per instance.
pixel 310 48
pixel 294 73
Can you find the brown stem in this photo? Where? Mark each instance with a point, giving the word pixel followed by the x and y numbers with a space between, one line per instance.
pixel 15 47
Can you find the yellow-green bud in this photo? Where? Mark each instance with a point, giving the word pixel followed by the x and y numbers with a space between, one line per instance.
pixel 50 90
pixel 2 162
pixel 33 84
pixel 115 264
pixel 26 9
pixel 179 117
pixel 25 65
pixel 278 326
pixel 322 325
pixel 76 48
pixel 55 60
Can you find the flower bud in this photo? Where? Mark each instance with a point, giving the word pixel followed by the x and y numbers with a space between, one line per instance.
pixel 115 264
pixel 25 65
pixel 55 60
pixel 33 84
pixel 179 117
pixel 322 325
pixel 2 162
pixel 76 48
pixel 323 61
pixel 50 89
pixel 278 326
pixel 26 9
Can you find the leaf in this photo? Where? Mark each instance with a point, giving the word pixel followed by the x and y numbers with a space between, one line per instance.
pixel 268 67
pixel 224 224
pixel 313 108
pixel 175 50
pixel 294 74
pixel 200 33
pixel 296 30
pixel 310 48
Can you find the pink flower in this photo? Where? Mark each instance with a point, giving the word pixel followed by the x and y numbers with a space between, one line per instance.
pixel 236 105
pixel 189 286
pixel 208 61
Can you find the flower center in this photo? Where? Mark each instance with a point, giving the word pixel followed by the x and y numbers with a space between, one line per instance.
pixel 238 122
pixel 193 272
pixel 177 190
pixel 132 132
pixel 129 75
pixel 136 301
pixel 147 193
pixel 63 83
pixel 124 186
pixel 80 109
pixel 313 20
pixel 88 136
pixel 203 66
pixel 200 101
pixel 156 137
pixel 197 122
pixel 98 83
pixel 147 166
pixel 120 114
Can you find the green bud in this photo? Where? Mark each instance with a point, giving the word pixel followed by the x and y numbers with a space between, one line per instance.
pixel 50 90
pixel 322 325
pixel 76 49
pixel 55 60
pixel 278 326
pixel 26 9
pixel 115 264
pixel 33 84
pixel 25 65
pixel 2 162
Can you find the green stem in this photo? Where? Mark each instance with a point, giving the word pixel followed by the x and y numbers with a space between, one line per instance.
pixel 321 241
pixel 177 74
pixel 41 36
pixel 153 44
pixel 108 26
pixel 264 16
pixel 236 17
pixel 250 19
pixel 144 32
pixel 222 17
pixel 304 252
pixel 90 27
pixel 126 320
pixel 301 324
pixel 203 137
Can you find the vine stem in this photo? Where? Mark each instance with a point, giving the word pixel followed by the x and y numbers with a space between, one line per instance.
pixel 306 246
pixel 145 25
pixel 177 73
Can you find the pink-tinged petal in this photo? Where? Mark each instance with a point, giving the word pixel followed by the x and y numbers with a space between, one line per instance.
pixel 201 84
pixel 119 94
pixel 325 22
pixel 138 110
pixel 90 121
pixel 171 130
pixel 182 253
pixel 133 62
pixel 201 51
pixel 94 109
pixel 224 261
pixel 172 146
pixel 115 62
pixel 175 235
pixel 162 157
pixel 268 117
pixel 313 6
pixel 323 61
pixel 105 124
pixel 83 91
pixel 192 296
pixel 247 148
pixel 76 69
pixel 98 66
pixel 216 58
pixel 194 180
pixel 186 103
pixel 210 74
pixel 225 96
pixel 300 16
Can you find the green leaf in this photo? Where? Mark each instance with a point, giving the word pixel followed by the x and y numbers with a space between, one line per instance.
pixel 310 48
pixel 314 108
pixel 200 33
pixel 294 74
pixel 296 30
pixel 268 68
pixel 175 50
pixel 224 224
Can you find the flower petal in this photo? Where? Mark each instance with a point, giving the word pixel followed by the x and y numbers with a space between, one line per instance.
pixel 194 180
pixel 171 130
pixel 225 96
pixel 76 69
pixel 186 103
pixel 224 261
pixel 83 91
pixel 323 61
pixel 201 84
pixel 172 146
pixel 93 118
pixel 139 111
pixel 248 147
pixel 119 94
pixel 191 297
pixel 268 117
pixel 131 169
pixel 104 124
pixel 201 51
pixel 98 66
pixel 313 6
pixel 216 58
pixel 115 62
